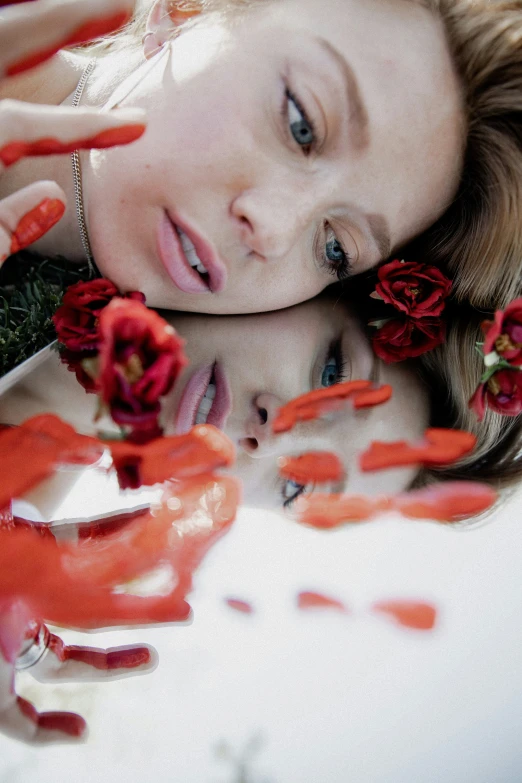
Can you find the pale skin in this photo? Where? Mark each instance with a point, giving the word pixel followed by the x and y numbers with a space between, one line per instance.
pixel 267 361
pixel 382 124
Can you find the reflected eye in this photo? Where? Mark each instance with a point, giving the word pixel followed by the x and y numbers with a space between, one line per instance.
pixel 290 492
pixel 334 369
pixel 301 127
pixel 330 374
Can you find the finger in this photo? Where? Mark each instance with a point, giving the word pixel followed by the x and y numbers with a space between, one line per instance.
pixel 27 215
pixel 96 609
pixel 71 662
pixel 28 129
pixel 28 39
pixel 21 721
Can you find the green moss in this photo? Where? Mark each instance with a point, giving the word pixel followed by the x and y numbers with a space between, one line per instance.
pixel 31 289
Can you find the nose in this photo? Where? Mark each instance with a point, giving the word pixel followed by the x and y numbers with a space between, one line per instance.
pixel 259 439
pixel 271 220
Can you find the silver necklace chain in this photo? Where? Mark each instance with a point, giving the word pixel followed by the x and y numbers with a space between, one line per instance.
pixel 77 174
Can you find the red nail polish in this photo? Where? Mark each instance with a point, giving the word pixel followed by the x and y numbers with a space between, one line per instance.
pixel 86 32
pixel 36 223
pixel 99 659
pixel 13 152
pixel 66 722
pixel 114 136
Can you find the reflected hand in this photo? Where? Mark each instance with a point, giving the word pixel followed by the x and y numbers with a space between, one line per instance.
pixel 50 660
pixel 30 33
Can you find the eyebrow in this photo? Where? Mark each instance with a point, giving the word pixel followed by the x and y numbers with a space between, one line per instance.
pixel 359 125
pixel 360 136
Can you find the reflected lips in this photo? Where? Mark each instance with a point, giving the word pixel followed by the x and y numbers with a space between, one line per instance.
pixel 194 393
pixel 176 263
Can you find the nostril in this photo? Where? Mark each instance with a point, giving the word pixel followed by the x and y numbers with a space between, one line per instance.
pixel 263 415
pixel 249 444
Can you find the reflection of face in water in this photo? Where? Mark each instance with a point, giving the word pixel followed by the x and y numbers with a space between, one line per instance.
pixel 242 369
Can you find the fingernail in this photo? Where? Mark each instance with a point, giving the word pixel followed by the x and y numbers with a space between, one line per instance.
pixel 16 150
pixel 114 136
pixel 128 659
pixel 85 32
pixel 67 722
pixel 36 223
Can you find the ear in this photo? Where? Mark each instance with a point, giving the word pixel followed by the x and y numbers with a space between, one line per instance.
pixel 164 18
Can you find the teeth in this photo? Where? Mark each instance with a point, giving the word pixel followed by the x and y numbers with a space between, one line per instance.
pixel 190 252
pixel 206 404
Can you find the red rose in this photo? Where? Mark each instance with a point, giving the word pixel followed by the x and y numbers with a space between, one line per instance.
pixel 504 334
pixel 406 338
pixel 140 358
pixel 76 321
pixel 416 289
pixel 502 393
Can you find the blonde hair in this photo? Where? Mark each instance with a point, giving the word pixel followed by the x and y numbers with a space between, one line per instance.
pixel 479 238
pixel 451 373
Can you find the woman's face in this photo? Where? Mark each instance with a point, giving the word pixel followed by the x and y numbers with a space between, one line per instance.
pixel 243 369
pixel 292 145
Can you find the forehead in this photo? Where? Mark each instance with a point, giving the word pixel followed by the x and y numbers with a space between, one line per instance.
pixel 400 61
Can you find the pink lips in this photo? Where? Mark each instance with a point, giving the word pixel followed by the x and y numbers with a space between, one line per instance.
pixel 176 263
pixel 193 395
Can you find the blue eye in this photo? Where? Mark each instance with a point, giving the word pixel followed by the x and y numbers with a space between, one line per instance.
pixel 334 252
pixel 301 127
pixel 291 491
pixel 335 365
pixel 330 374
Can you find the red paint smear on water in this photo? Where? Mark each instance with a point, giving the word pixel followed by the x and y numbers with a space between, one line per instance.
pixel 319 402
pixel 440 447
pixel 326 511
pixel 312 600
pixel 447 502
pixel 74 585
pixel 31 452
pixel 411 614
pixel 240 606
pixel 317 466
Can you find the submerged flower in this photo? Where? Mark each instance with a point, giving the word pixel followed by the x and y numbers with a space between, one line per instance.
pixel 405 338
pixel 502 393
pixel 503 336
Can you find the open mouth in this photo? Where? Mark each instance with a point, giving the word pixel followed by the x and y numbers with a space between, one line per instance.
pixel 206 399
pixel 190 261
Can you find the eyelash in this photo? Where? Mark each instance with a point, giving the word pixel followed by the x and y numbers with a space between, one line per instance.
pixel 335 351
pixel 343 268
pixel 300 488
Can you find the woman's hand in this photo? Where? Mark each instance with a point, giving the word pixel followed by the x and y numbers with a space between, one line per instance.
pixel 30 33
pixel 56 663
